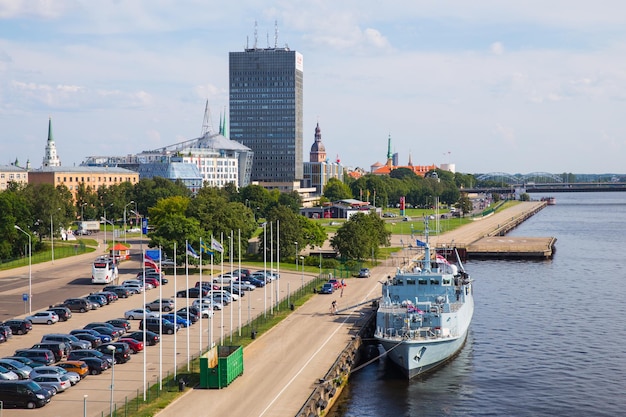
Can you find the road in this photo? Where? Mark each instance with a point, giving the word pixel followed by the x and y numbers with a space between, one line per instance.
pixel 70 277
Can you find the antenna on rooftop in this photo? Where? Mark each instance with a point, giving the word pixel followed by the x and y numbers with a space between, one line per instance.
pixel 275 33
pixel 267 39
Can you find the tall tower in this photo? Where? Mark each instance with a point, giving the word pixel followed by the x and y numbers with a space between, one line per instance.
pixel 266 110
pixel 318 151
pixel 51 159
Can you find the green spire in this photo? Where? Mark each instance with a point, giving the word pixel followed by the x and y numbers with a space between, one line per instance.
pixel 389 154
pixel 50 138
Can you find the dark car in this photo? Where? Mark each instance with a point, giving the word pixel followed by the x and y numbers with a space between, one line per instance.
pixel 94 340
pixel 63 312
pixel 104 337
pixel 77 304
pixel 154 325
pixel 117 331
pixel 254 281
pixel 119 290
pixel 327 288
pixel 112 333
pixel 96 365
pixel 121 323
pixel 100 299
pixel 152 338
pixel 70 340
pixel 194 292
pixel 153 274
pixel 191 317
pixel 23 394
pixel 110 296
pixel 41 356
pixel 19 326
pixel 79 355
pixel 122 351
pixel 193 312
pixel 6 332
pixel 59 349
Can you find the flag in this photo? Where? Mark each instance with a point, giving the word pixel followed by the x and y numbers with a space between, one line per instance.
pixel 216 245
pixel 205 248
pixel 420 243
pixel 441 260
pixel 192 252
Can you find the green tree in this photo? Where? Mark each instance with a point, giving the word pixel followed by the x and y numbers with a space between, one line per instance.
pixel 171 224
pixel 361 237
pixel 336 190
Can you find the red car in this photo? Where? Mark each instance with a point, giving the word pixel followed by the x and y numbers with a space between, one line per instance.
pixel 152 281
pixel 336 283
pixel 134 345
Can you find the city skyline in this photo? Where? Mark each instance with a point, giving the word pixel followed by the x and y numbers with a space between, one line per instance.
pixel 486 86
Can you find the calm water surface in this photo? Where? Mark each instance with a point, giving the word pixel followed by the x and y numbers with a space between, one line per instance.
pixel 548 337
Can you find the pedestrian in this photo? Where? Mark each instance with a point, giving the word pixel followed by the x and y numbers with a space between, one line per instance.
pixel 341 293
pixel 333 307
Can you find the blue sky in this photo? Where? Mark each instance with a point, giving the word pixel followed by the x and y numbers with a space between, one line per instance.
pixel 487 85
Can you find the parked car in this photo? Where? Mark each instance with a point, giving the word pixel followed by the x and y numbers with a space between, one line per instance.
pixel 327 288
pixel 23 394
pixel 223 279
pixel 78 355
pixel 19 326
pixel 56 370
pixel 193 311
pixel 155 324
pixel 121 354
pixel 117 331
pixel 134 345
pixel 59 349
pixel 58 382
pixel 110 296
pixel 193 292
pixel 164 304
pixel 175 318
pixel 336 283
pixel 364 273
pixel 99 299
pixel 41 356
pixel 95 341
pixel 92 304
pixel 6 331
pixel 152 338
pixel 43 317
pixel 7 374
pixel 96 365
pixel 3 338
pixel 70 340
pixel 78 367
pixel 243 273
pixel 64 313
pixel 77 304
pixel 120 291
pixel 24 360
pixel 103 337
pixel 133 287
pixel 122 323
pixel 207 304
pixel 244 285
pixel 191 317
pixel 21 369
pixel 139 313
pixel 112 333
pixel 152 281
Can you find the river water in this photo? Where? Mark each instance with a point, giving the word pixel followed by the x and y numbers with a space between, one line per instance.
pixel 548 337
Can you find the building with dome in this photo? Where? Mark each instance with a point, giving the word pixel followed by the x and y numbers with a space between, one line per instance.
pixel 320 169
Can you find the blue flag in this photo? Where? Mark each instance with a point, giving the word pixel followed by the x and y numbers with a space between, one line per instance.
pixel 191 252
pixel 420 243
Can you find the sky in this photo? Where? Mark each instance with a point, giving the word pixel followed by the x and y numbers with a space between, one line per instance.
pixel 486 85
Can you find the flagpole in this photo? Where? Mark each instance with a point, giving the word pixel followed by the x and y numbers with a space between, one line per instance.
pixel 222 298
pixel 187 298
pixel 265 268
pixel 145 322
pixel 240 293
pixel 232 248
pixel 212 311
pixel 265 272
pixel 160 323
pixel 175 306
pixel 201 298
pixel 278 264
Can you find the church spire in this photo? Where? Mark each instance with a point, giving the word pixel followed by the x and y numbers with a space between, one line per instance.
pixel 50 138
pixel 51 159
pixel 389 153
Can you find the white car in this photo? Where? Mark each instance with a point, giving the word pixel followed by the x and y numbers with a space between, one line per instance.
pixel 233 297
pixel 208 304
pixel 43 317
pixel 140 313
pixel 245 285
pixel 224 278
pixel 55 370
pixel 7 374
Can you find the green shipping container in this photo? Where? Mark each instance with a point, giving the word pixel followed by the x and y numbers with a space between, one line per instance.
pixel 220 366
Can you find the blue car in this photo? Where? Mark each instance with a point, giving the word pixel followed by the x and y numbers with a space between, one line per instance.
pixel 174 318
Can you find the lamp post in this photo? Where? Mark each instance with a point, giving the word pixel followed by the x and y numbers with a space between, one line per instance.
pixel 302 262
pixel 113 226
pixel 82 218
pixel 30 271
pixel 112 350
pixel 131 202
pixel 85 405
pixel 105 224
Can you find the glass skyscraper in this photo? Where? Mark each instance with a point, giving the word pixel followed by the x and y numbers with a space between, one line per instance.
pixel 266 111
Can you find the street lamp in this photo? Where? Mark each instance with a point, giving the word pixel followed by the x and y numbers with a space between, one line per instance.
pixel 131 202
pixel 30 271
pixel 302 259
pixel 105 225
pixel 112 350
pixel 296 243
pixel 82 218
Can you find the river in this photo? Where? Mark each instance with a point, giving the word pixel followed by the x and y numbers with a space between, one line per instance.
pixel 547 338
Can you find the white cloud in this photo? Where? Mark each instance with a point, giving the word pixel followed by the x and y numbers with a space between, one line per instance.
pixel 497 48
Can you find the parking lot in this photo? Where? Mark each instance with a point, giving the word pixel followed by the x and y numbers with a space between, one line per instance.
pixel 173 351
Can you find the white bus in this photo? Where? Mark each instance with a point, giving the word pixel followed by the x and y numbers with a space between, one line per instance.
pixel 103 271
